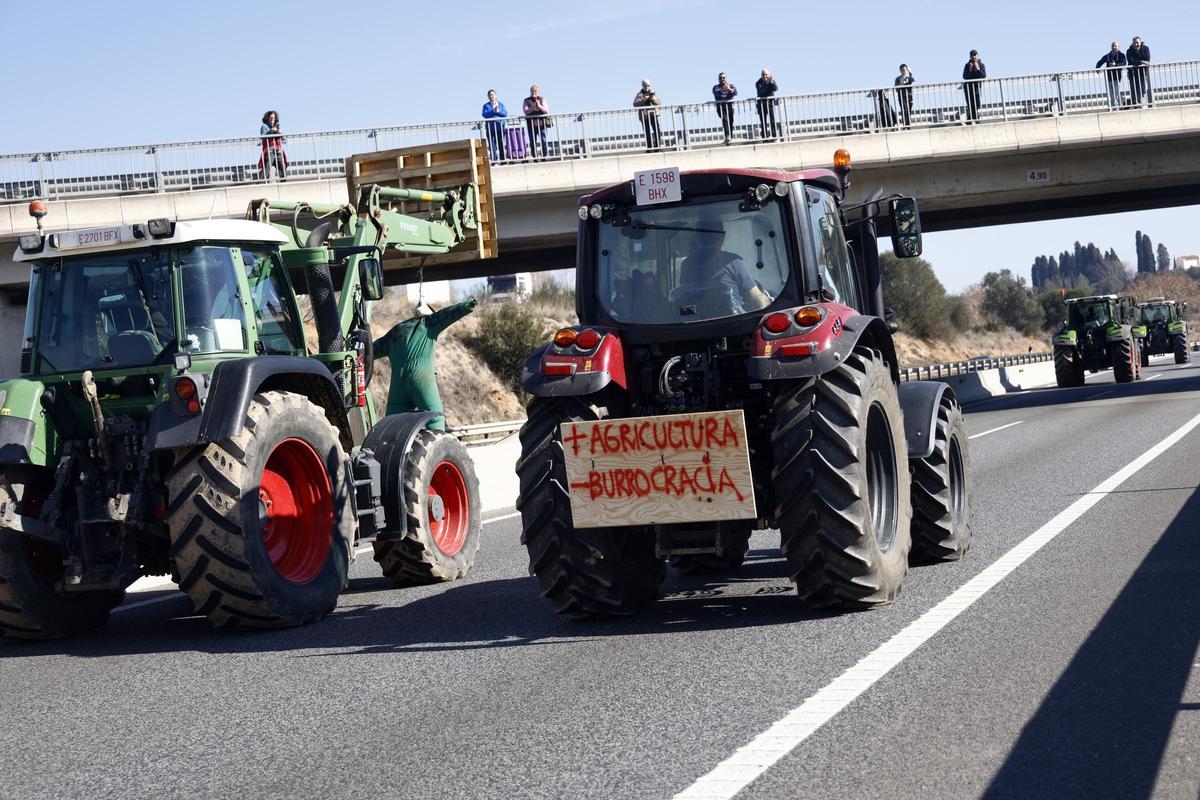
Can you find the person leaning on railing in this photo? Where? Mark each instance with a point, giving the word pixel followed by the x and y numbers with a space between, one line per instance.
pixel 766 87
pixel 495 111
pixel 273 159
pixel 537 119
pixel 1112 63
pixel 1138 57
pixel 647 101
pixel 904 93
pixel 723 93
pixel 973 74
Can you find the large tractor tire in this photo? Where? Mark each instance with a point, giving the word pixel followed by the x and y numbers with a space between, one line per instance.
pixel 1179 345
pixel 842 485
pixel 941 491
pixel 1124 361
pixel 262 525
pixel 440 496
pixel 31 604
pixel 734 546
pixel 1068 368
pixel 591 572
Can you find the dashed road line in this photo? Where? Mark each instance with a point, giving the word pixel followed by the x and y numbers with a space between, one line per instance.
pixel 765 750
pixel 996 430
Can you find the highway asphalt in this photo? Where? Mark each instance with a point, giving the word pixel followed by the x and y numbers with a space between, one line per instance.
pixel 1063 671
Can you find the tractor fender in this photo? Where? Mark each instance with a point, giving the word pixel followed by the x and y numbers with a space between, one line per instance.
pixel 230 392
pixel 390 442
pixel 589 373
pixel 919 400
pixel 24 426
pixel 870 331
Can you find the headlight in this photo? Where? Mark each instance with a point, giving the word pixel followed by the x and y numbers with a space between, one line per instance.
pixel 595 212
pixel 781 189
pixel 762 192
pixel 583 212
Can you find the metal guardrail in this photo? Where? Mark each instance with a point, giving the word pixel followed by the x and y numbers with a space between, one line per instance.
pixel 932 372
pixel 486 432
pixel 184 166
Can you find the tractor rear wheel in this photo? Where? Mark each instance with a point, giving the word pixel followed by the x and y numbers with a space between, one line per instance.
pixel 441 514
pixel 592 572
pixel 262 525
pixel 1124 362
pixel 842 484
pixel 941 492
pixel 1068 368
pixel 734 546
pixel 1179 345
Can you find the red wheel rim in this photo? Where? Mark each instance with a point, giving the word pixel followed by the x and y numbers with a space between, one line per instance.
pixel 295 509
pixel 447 509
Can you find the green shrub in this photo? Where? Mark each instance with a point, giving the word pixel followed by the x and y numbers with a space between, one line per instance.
pixel 912 290
pixel 1008 301
pixel 508 333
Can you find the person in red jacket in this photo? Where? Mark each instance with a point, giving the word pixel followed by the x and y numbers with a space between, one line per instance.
pixel 273 160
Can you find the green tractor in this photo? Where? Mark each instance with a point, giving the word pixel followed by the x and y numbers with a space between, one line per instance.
pixel 1164 330
pixel 1099 333
pixel 170 418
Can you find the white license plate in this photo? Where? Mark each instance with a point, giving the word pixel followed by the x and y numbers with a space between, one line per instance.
pixel 93 237
pixel 657 186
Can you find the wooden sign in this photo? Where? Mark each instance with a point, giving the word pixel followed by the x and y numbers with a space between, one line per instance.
pixel 436 166
pixel 659 470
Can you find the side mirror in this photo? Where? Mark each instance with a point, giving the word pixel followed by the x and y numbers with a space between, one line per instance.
pixel 906 227
pixel 370 275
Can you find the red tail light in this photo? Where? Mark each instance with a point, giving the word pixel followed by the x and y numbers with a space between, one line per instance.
pixel 587 339
pixel 777 322
pixel 185 389
pixel 565 337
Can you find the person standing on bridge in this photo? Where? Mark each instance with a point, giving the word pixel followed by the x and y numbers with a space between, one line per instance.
pixel 495 111
pixel 537 119
pixel 766 87
pixel 273 160
pixel 723 94
pixel 648 101
pixel 409 347
pixel 904 93
pixel 1138 58
pixel 973 74
pixel 1112 63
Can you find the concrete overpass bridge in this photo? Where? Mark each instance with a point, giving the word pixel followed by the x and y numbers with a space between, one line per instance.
pixel 1046 146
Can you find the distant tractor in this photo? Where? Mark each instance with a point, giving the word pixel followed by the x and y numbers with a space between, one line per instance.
pixel 1099 333
pixel 171 419
pixel 733 371
pixel 1164 330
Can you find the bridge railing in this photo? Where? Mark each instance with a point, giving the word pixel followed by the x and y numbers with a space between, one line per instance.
pixel 178 166
pixel 933 372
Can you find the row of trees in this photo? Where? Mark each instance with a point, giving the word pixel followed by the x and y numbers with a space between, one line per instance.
pixel 1091 270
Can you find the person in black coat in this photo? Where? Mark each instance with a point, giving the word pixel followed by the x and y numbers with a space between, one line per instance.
pixel 1138 58
pixel 766 87
pixel 1112 62
pixel 973 73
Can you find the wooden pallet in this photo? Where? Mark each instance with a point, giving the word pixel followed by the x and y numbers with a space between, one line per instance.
pixel 438 166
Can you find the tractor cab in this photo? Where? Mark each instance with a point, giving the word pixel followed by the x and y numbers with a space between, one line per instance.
pixel 694 255
pixel 132 298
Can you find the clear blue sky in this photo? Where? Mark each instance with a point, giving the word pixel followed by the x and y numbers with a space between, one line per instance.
pixel 94 74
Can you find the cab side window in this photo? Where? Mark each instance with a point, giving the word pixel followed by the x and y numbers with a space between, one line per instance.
pixel 278 329
pixel 829 243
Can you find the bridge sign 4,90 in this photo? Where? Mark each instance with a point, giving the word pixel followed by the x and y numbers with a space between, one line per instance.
pixel 1037 176
pixel 657 186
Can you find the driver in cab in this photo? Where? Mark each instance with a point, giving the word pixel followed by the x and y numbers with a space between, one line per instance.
pixel 710 266
pixel 1097 316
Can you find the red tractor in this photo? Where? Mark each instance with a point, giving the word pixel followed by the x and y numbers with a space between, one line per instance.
pixel 734 371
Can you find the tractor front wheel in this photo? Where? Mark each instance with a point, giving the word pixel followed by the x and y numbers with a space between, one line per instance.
pixel 941 491
pixel 842 484
pixel 1068 368
pixel 262 525
pixel 1179 345
pixel 441 514
pixel 1124 361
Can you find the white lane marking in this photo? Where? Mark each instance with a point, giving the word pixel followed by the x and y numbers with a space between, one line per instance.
pixel 1152 377
pixel 749 762
pixel 505 516
pixel 994 430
